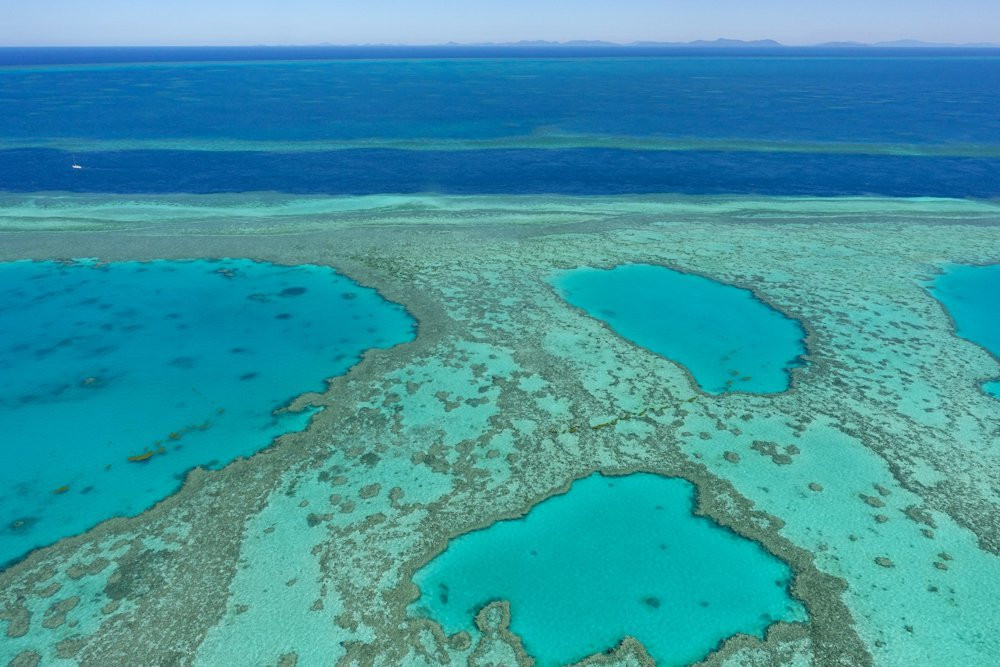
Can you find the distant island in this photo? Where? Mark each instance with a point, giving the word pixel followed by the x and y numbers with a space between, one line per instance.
pixel 723 43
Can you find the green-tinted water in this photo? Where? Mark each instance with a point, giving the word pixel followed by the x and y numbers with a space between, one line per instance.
pixel 727 338
pixel 613 557
pixel 972 296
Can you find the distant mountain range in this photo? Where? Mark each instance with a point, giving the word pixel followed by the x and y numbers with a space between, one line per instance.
pixel 728 43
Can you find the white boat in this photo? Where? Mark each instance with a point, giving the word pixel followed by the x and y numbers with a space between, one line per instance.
pixel 76 166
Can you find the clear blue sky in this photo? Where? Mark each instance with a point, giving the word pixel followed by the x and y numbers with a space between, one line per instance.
pixel 188 22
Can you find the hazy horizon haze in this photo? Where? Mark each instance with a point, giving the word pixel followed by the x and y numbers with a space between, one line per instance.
pixel 310 22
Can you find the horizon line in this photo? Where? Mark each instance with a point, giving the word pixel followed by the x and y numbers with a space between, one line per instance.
pixel 719 42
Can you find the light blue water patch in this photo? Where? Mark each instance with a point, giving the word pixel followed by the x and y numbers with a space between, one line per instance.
pixel 971 294
pixel 614 556
pixel 725 336
pixel 177 363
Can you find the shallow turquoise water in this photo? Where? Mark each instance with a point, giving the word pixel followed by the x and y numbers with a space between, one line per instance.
pixel 186 360
pixel 727 338
pixel 614 556
pixel 971 295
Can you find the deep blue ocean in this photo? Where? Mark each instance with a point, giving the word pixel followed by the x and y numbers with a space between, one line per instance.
pixel 769 122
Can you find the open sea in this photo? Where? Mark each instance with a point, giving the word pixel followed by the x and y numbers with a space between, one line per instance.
pixel 774 123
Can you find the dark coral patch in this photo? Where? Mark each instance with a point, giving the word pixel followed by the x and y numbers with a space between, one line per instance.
pixel 22 525
pixel 182 362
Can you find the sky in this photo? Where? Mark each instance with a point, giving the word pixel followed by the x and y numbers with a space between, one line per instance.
pixel 250 22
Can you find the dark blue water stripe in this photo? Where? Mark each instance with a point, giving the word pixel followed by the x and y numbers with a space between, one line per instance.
pixel 577 172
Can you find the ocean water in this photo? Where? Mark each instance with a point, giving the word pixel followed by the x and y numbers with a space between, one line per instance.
pixel 725 336
pixel 170 364
pixel 93 55
pixel 750 124
pixel 612 557
pixel 971 294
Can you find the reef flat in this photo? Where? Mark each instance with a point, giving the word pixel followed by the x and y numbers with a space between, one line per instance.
pixel 535 141
pixel 874 476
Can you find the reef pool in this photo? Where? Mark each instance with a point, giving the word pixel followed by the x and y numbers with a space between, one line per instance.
pixel 971 295
pixel 725 336
pixel 612 557
pixel 119 378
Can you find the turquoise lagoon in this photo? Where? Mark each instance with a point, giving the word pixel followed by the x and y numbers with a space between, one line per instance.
pixel 173 364
pixel 612 557
pixel 725 336
pixel 971 294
